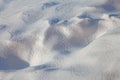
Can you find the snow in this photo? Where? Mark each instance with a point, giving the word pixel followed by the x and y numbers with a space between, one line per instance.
pixel 59 39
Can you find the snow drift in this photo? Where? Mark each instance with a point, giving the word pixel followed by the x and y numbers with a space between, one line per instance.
pixel 59 39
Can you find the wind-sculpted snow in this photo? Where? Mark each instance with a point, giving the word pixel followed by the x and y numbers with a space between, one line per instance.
pixel 59 39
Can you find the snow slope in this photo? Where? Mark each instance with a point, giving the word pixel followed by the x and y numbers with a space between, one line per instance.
pixel 59 39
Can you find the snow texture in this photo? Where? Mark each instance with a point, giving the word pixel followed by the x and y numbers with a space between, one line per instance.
pixel 59 39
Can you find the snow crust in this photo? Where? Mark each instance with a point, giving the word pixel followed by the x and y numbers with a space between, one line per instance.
pixel 59 39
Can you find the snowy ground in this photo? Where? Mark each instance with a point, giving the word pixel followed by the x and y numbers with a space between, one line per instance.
pixel 59 40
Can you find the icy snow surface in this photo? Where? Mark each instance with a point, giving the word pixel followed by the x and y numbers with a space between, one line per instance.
pixel 59 39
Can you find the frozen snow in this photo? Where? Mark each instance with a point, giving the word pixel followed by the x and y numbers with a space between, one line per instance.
pixel 59 39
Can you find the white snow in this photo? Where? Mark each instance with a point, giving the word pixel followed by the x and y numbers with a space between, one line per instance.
pixel 59 39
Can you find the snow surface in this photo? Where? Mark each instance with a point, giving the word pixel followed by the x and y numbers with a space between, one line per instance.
pixel 59 40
